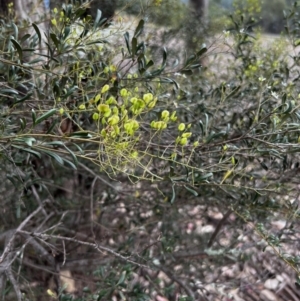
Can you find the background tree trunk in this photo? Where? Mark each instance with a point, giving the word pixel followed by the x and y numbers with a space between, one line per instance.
pixel 201 8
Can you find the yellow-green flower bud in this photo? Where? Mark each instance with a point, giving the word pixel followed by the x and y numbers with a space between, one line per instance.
pixel 82 107
pixel 103 133
pixel 165 114
pixel 111 101
pixel 123 92
pixel 117 130
pixel 152 124
pixel 97 98
pixel 53 21
pixel 152 104
pixel 173 116
pixel 181 127
pixel 148 97
pixel 133 100
pixel 104 89
pixel 183 141
pixel 186 135
pixel 196 143
pixel 113 120
pixel 116 111
pixel 95 116
pixel 61 111
pixel 134 154
pixel 106 70
pixel 104 109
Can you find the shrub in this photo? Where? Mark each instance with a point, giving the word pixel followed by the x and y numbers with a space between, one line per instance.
pixel 162 174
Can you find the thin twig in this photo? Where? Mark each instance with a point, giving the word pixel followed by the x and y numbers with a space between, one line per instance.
pixel 21 226
pixel 99 178
pixel 218 228
pixel 94 245
pixel 14 283
pixel 171 275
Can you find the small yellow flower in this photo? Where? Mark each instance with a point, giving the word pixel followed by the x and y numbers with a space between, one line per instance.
pixel 82 107
pixel 61 111
pixel 53 21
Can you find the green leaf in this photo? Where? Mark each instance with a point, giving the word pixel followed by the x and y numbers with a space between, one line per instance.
pixel 45 116
pixel 122 278
pixel 81 135
pixel 202 50
pixel 60 143
pixel 194 192
pixel 126 37
pixel 37 30
pixel 139 28
pixel 97 19
pixel 23 123
pixel 53 155
pixel 33 115
pixel 28 95
pixel 18 48
pixel 27 150
pixel 27 140
pixel 54 39
pixel 133 46
pixel 16 30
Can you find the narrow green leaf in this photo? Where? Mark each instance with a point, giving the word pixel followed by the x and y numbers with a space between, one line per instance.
pixel 126 37
pixel 53 155
pixel 45 116
pixel 194 192
pixel 97 19
pixel 16 30
pixel 202 50
pixel 70 163
pixel 133 46
pixel 23 123
pixel 9 91
pixel 139 28
pixel 28 140
pixel 54 39
pixel 122 278
pixel 60 143
pixel 27 150
pixel 37 30
pixel 18 48
pixel 33 115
